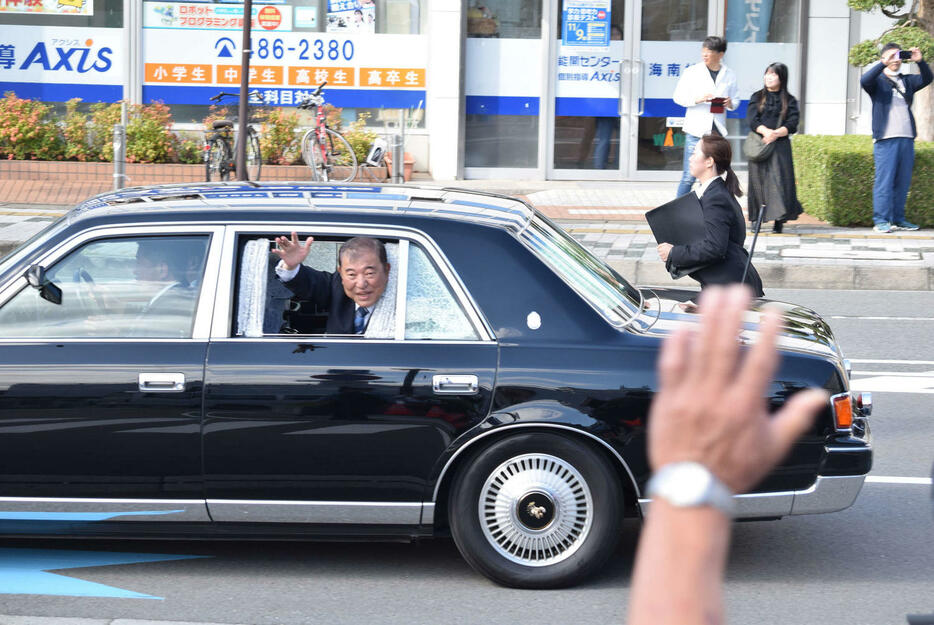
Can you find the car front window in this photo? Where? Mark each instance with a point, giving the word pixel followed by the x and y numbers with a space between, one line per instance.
pixel 139 287
pixel 604 289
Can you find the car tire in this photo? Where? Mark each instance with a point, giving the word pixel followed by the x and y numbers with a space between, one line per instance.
pixel 536 511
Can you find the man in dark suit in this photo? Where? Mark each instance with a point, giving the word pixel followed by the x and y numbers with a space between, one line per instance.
pixel 893 134
pixel 350 293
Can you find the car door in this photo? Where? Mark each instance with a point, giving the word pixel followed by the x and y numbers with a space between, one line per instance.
pixel 100 394
pixel 313 428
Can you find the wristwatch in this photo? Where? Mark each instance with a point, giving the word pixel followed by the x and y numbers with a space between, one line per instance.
pixel 690 484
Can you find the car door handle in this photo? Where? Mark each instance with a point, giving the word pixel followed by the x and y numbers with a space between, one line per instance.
pixel 162 382
pixel 455 384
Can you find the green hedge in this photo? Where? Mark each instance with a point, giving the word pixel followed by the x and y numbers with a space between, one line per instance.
pixel 835 173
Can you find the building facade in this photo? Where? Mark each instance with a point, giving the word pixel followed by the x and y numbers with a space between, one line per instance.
pixel 534 89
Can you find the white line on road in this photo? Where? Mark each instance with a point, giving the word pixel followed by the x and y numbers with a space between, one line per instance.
pixel 892 362
pixel 888 479
pixel 909 374
pixel 894 382
pixel 882 318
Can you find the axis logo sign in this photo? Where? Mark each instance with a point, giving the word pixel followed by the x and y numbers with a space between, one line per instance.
pixel 70 59
pixel 56 64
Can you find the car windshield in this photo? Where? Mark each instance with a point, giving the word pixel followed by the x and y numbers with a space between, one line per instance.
pixel 604 289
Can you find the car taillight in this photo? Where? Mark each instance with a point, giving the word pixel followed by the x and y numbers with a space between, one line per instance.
pixel 864 403
pixel 842 411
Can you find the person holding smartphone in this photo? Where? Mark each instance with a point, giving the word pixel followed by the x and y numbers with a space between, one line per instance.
pixel 893 133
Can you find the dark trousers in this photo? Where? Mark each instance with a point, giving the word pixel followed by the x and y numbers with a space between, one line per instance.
pixel 894 160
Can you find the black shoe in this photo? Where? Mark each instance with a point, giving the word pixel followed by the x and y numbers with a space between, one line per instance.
pixel 777 227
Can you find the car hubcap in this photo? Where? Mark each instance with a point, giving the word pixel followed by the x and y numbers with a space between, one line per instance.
pixel 535 509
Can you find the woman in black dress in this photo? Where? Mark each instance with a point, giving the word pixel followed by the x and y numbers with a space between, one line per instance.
pixel 773 114
pixel 720 254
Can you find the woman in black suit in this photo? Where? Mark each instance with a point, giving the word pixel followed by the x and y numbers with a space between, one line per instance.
pixel 720 252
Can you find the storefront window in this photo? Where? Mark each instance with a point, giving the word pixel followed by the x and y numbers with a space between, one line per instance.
pixel 505 19
pixel 503 83
pixel 90 14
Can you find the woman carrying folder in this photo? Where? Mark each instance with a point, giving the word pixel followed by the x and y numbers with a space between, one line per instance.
pixel 720 252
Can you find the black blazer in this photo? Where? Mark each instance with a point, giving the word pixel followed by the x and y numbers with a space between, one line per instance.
pixel 721 250
pixel 325 289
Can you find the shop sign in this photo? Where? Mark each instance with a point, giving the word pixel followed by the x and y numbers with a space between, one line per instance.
pixel 48 7
pixel 586 23
pixel 189 67
pixel 58 63
pixel 202 16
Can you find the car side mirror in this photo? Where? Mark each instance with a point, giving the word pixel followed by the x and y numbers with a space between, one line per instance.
pixel 48 290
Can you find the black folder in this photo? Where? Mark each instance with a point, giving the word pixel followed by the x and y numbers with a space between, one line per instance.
pixel 679 222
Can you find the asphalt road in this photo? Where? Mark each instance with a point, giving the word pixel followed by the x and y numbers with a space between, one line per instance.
pixel 870 564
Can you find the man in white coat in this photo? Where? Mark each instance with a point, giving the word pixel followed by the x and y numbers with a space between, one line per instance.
pixel 707 90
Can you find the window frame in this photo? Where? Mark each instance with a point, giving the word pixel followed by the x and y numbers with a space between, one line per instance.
pixel 206 298
pixel 223 323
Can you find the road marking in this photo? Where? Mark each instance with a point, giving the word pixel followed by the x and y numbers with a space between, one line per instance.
pixel 887 479
pixel 894 382
pixel 892 362
pixel 910 374
pixel 25 572
pixel 881 318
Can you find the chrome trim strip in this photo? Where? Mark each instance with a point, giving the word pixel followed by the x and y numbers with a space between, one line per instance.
pixel 866 448
pixel 332 512
pixel 447 465
pixel 428 514
pixel 337 338
pixel 827 494
pixel 94 509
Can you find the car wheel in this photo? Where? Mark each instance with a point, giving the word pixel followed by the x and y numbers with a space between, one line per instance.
pixel 536 511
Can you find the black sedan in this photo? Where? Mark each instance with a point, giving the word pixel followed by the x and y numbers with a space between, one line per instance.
pixel 157 379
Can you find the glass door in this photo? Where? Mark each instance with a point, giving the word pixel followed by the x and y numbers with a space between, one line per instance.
pixel 670 33
pixel 592 96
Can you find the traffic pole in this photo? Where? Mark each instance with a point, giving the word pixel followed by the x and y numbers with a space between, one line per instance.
pixel 244 89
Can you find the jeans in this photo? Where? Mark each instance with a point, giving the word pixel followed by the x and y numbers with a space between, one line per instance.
pixel 690 141
pixel 894 159
pixel 604 131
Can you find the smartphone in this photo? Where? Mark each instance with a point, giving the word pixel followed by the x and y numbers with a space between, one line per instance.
pixel 904 55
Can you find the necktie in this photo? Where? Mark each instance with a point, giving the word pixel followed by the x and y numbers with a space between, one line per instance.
pixel 359 320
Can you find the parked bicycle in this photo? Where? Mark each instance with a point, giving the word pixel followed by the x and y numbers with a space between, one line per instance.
pixel 323 148
pixel 219 146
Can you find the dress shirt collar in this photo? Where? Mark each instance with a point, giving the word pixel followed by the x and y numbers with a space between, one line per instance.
pixel 700 187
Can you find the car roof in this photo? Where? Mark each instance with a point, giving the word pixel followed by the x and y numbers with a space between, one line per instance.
pixel 224 198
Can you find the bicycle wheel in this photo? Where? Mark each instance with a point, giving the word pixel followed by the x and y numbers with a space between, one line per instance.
pixel 254 158
pixel 311 154
pixel 340 155
pixel 217 160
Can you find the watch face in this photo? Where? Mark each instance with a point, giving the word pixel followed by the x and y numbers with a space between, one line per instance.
pixel 688 484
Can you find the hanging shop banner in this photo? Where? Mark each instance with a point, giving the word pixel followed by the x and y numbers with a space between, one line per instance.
pixel 55 64
pixel 48 7
pixel 188 67
pixel 351 16
pixel 586 23
pixel 202 16
pixel 748 21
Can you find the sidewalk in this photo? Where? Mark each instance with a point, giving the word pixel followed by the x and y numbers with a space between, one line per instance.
pixel 608 217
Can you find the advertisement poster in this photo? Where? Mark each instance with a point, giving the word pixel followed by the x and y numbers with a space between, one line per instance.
pixel 48 7
pixel 354 16
pixel 586 23
pixel 55 64
pixel 202 16
pixel 188 67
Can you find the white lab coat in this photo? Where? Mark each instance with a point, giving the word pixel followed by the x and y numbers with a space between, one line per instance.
pixel 694 83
